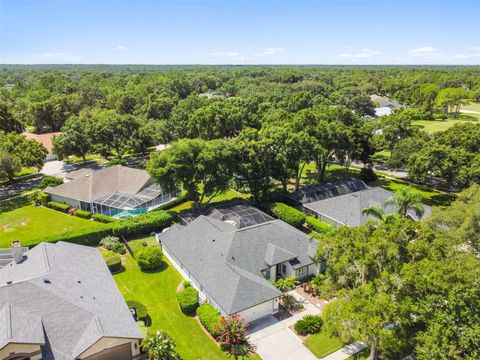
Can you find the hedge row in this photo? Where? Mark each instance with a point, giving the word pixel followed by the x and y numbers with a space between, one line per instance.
pixel 286 213
pixel 188 300
pixel 318 226
pixel 103 218
pixel 83 237
pixel 177 201
pixel 58 206
pixel 144 224
pixel 209 317
pixel 83 214
pixel 43 198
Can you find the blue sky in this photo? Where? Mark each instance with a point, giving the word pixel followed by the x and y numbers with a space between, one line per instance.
pixel 239 32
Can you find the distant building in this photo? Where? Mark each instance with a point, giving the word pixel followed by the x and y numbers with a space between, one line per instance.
pixel 46 140
pixel 117 191
pixel 60 302
pixel 385 105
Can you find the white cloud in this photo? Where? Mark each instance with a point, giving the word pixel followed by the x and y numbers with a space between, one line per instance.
pixel 423 52
pixel 60 57
pixel 233 54
pixel 271 50
pixel 121 48
pixel 363 54
pixel 471 53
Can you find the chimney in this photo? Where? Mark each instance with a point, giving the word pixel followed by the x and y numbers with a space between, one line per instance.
pixel 17 252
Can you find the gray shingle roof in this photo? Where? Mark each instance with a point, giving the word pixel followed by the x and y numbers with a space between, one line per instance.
pixel 347 209
pixel 228 262
pixel 327 190
pixel 69 288
pixel 91 184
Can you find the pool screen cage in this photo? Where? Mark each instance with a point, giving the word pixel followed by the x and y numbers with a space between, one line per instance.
pixel 125 204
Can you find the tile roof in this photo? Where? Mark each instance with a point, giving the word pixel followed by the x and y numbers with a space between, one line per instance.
pixel 45 139
pixel 228 262
pixel 69 288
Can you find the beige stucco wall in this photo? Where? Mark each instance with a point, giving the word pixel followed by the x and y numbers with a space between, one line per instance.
pixel 107 343
pixel 12 349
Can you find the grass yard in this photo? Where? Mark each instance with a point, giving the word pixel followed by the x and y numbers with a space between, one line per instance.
pixel 157 292
pixel 473 106
pixel 321 344
pixel 433 126
pixel 21 221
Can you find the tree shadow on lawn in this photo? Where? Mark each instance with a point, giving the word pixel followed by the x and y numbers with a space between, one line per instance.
pixel 121 270
pixel 13 204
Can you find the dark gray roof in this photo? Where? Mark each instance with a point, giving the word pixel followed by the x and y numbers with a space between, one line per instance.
pixel 327 190
pixel 348 209
pixel 228 262
pixel 69 289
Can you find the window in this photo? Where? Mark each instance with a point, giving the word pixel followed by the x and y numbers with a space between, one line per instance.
pixel 284 269
pixel 266 274
pixel 303 271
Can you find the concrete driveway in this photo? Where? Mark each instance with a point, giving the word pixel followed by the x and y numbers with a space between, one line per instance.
pixel 275 341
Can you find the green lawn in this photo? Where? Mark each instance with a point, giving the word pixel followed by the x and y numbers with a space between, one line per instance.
pixel 321 344
pixel 433 126
pixel 473 106
pixel 29 224
pixel 157 292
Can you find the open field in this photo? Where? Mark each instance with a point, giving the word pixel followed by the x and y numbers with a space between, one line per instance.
pixel 433 126
pixel 157 290
pixel 22 221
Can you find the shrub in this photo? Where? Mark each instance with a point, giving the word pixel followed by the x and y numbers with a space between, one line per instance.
pixel 210 318
pixel 50 181
pixel 57 206
pixel 103 218
pixel 140 309
pixel 83 214
pixel 71 211
pixel 233 338
pixel 187 284
pixel 188 300
pixel 159 346
pixel 289 303
pixel 149 258
pixel 154 221
pixel 318 226
pixel 114 261
pixel 286 213
pixel 39 198
pixel 309 324
pixel 116 161
pixel 114 244
pixel 367 174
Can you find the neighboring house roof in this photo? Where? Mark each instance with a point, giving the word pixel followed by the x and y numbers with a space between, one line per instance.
pixel 382 111
pixel 63 297
pixel 383 101
pixel 348 209
pixel 327 190
pixel 91 184
pixel 45 139
pixel 228 262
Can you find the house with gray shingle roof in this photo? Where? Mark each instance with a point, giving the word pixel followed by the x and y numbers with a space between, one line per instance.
pixel 348 209
pixel 60 302
pixel 233 264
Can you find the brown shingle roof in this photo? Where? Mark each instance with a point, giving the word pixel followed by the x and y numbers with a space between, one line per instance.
pixel 45 139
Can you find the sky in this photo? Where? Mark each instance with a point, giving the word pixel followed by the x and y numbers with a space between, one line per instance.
pixel 240 32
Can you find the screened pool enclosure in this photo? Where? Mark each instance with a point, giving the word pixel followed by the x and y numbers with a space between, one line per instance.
pixel 122 205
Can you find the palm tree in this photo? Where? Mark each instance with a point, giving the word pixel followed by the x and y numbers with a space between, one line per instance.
pixel 407 199
pixel 286 284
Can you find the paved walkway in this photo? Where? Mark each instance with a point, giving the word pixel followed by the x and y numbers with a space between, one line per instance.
pixel 346 351
pixel 275 341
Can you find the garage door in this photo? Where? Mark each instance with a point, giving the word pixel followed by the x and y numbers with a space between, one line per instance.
pixel 120 352
pixel 258 311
